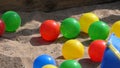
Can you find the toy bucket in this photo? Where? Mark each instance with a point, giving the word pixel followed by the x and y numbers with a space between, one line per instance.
pixel 110 60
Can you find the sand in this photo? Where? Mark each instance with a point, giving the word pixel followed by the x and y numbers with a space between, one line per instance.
pixel 19 49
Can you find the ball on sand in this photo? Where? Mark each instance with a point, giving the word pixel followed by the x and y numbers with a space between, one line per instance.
pixel 98 30
pixel 116 28
pixel 12 21
pixel 96 50
pixel 2 27
pixel 70 64
pixel 86 20
pixel 49 66
pixel 43 60
pixel 70 28
pixel 50 30
pixel 72 49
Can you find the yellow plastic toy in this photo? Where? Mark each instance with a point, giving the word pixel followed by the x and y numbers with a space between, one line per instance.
pixel 49 66
pixel 72 49
pixel 116 28
pixel 86 20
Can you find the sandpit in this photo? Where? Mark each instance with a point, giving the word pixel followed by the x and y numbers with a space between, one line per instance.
pixel 19 49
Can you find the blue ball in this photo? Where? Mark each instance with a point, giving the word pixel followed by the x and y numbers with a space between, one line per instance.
pixel 42 60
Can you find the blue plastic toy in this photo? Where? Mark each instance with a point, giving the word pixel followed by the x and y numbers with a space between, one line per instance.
pixel 42 60
pixel 111 57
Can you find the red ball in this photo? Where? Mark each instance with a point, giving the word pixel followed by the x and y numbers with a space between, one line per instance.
pixel 49 30
pixel 2 27
pixel 96 50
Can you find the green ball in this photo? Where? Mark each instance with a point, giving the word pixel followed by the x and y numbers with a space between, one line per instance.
pixel 98 30
pixel 12 21
pixel 70 64
pixel 70 28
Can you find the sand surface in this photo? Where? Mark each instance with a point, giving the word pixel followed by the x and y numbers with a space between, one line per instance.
pixel 19 49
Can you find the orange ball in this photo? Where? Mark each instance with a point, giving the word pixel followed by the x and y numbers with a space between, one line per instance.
pixel 49 30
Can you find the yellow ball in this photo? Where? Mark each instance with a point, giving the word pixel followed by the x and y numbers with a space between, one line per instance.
pixel 72 49
pixel 116 28
pixel 86 20
pixel 49 66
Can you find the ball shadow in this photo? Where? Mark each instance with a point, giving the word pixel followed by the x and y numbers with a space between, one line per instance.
pixel 83 35
pixel 60 57
pixel 87 42
pixel 38 41
pixel 61 40
pixel 87 63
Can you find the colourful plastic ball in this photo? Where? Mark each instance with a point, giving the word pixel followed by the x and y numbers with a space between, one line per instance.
pixel 86 20
pixel 70 64
pixel 2 27
pixel 43 60
pixel 99 30
pixel 70 28
pixel 72 49
pixel 49 30
pixel 96 50
pixel 12 21
pixel 116 28
pixel 49 66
